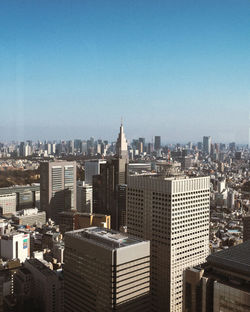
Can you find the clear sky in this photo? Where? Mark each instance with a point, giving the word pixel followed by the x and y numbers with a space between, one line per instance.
pixel 72 68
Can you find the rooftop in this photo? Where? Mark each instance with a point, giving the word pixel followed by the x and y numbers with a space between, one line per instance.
pixel 105 237
pixel 41 267
pixel 235 258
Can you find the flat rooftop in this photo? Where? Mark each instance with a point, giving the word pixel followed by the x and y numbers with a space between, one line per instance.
pixel 236 258
pixel 105 237
pixel 41 267
pixel 19 189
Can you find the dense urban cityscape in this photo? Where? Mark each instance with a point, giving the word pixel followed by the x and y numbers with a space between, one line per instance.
pixel 124 226
pixel 124 156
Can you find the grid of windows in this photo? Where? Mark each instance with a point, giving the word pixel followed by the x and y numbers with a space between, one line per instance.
pixel 174 215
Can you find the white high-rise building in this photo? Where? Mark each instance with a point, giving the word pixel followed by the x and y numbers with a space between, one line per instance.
pixel 57 187
pixel 84 197
pixel 15 245
pixel 173 213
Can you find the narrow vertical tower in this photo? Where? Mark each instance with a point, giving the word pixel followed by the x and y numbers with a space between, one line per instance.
pixel 109 187
pixel 121 144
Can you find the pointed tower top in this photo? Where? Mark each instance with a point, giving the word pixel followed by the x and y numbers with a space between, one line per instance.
pixel 121 143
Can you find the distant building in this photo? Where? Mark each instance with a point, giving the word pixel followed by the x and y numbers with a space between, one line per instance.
pixel 207 141
pixel 30 217
pixel 238 155
pixel 57 187
pixel 105 270
pixel 92 168
pixel 83 220
pixel 157 145
pixel 231 199
pixel 106 184
pixel 73 220
pixel 15 245
pixel 221 284
pixel 26 196
pixel 66 220
pixel 7 204
pixel 84 197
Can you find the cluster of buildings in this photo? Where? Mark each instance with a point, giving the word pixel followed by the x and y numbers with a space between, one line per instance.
pixel 150 228
pixel 18 164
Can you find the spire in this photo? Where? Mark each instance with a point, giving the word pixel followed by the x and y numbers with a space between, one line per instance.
pixel 121 143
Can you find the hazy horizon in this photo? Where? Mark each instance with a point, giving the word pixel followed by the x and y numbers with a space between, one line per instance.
pixel 71 69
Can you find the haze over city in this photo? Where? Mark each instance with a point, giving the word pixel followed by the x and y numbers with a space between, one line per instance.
pixel 71 69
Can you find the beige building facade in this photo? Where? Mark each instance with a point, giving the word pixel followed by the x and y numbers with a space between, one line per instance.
pixel 105 270
pixel 173 213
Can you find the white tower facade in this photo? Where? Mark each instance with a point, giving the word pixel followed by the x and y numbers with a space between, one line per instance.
pixel 173 213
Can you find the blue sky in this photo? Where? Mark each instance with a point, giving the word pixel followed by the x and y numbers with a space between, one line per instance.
pixel 71 69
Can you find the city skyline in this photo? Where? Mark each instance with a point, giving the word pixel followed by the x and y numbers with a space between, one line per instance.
pixel 72 68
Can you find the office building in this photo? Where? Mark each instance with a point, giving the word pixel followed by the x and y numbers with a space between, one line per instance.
pixel 26 196
pixel 92 168
pixel 171 211
pixel 84 220
pixel 207 141
pixel 221 284
pixel 57 187
pixel 106 190
pixel 47 286
pixel 157 143
pixel 15 245
pixel 105 270
pixel 84 197
pixel 30 217
pixel 7 204
pixel 73 220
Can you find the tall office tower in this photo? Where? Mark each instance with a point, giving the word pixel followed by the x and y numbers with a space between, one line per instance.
pixel 157 142
pixel 57 187
pixel 150 148
pixel 106 184
pixel 232 146
pixel 105 270
pixel 84 148
pixel 92 167
pixel 142 145
pixel 84 197
pixel 21 149
pixel 199 145
pixel 207 141
pixel 173 213
pixel 220 284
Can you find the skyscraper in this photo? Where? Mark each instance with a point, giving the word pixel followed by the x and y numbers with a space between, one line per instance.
pixel 92 167
pixel 173 213
pixel 105 270
pixel 106 191
pixel 207 141
pixel 157 142
pixel 57 187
